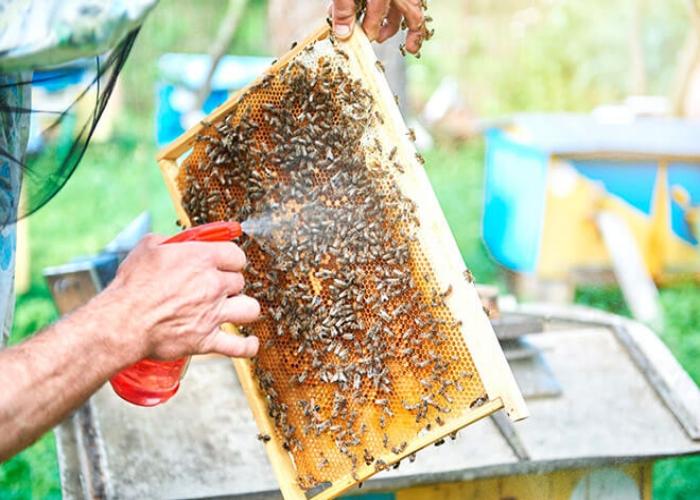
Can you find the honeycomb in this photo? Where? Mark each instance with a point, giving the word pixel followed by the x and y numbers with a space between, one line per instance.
pixel 359 353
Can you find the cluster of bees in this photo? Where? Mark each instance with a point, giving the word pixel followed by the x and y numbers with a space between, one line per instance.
pixel 359 352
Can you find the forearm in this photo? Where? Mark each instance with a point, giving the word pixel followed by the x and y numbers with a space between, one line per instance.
pixel 45 378
pixel 166 302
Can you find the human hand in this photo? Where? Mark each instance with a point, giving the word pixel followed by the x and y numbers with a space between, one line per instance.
pixel 382 20
pixel 175 297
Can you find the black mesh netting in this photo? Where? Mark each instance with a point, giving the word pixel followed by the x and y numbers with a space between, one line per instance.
pixel 42 180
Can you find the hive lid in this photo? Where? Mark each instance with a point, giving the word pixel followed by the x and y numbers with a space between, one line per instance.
pixel 571 134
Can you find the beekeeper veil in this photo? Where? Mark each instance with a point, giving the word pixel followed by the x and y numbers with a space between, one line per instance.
pixel 47 45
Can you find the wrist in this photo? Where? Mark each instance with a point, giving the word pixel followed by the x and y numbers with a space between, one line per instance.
pixel 121 331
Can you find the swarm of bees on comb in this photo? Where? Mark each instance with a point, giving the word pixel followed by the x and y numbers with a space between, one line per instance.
pixel 359 352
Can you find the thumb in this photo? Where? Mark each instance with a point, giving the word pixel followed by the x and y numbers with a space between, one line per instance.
pixel 230 344
pixel 343 18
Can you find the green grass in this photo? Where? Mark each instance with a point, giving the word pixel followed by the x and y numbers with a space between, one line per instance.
pixel 549 69
pixel 456 175
pixel 32 474
pixel 608 298
pixel 680 478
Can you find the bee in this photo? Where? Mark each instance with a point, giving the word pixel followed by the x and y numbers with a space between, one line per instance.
pixel 411 134
pixel 447 292
pixel 480 401
pixel 380 66
pixel 384 315
pixel 402 49
pixel 420 158
pixel 397 450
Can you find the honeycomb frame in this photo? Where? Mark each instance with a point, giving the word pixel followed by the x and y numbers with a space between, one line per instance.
pixel 439 247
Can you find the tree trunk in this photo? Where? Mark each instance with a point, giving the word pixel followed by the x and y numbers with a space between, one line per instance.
pixel 686 92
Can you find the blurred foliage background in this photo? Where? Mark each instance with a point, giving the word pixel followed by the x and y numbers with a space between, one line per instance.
pixel 507 56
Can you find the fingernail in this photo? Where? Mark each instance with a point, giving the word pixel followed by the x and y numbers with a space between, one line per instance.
pixel 253 345
pixel 342 30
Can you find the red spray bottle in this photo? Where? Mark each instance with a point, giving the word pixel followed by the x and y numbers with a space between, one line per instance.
pixel 151 382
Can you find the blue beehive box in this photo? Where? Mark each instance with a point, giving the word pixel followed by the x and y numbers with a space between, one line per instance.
pixel 547 175
pixel 179 77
